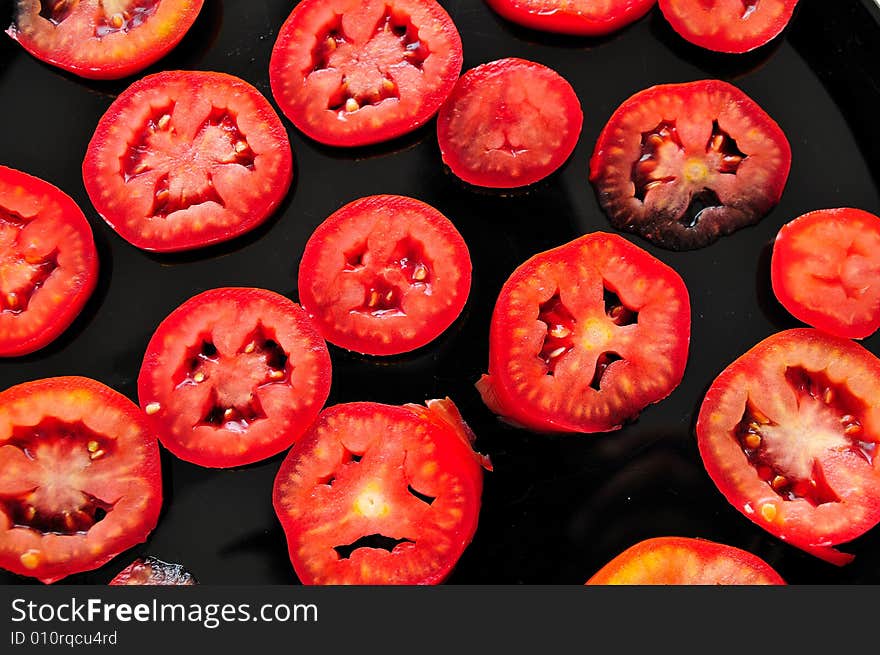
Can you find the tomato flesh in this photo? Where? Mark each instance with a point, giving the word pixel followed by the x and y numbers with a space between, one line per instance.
pixel 185 159
pixel 585 336
pixel 385 275
pixel 358 72
pixel 80 478
pixel 682 561
pixel 684 164
pixel 789 435
pixel 731 26
pixel 48 262
pixel 151 571
pixel 509 123
pixel 826 271
pixel 376 494
pixel 578 17
pixel 102 39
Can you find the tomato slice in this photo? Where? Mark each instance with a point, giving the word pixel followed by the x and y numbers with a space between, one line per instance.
pixel 732 26
pixel 684 164
pixel 826 271
pixel 509 123
pixel 683 561
pixel 234 376
pixel 376 494
pixel 80 477
pixel 789 433
pixel 48 262
pixel 385 275
pixel 185 159
pixel 102 39
pixel 359 72
pixel 585 336
pixel 578 17
pixel 151 571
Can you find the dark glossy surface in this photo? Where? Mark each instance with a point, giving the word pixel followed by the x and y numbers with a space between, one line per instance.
pixel 556 508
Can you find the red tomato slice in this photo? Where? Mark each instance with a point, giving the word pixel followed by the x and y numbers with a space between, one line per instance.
pixel 376 494
pixel 385 275
pixel 184 159
pixel 826 271
pixel 234 376
pixel 359 72
pixel 578 17
pixel 682 561
pixel 48 262
pixel 585 336
pixel 733 26
pixel 789 433
pixel 684 164
pixel 102 39
pixel 509 123
pixel 151 571
pixel 80 477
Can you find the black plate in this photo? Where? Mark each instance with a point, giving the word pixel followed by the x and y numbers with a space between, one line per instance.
pixel 556 508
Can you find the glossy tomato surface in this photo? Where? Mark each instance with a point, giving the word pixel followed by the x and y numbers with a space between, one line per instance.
pixel 48 262
pixel 789 433
pixel 385 275
pixel 578 17
pixel 358 72
pixel 377 494
pixel 585 336
pixel 233 376
pixel 185 159
pixel 80 477
pixel 685 164
pixel 151 571
pixel 826 271
pixel 102 39
pixel 684 561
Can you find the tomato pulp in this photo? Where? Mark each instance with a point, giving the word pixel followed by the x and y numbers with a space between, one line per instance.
pixel 578 17
pixel 150 571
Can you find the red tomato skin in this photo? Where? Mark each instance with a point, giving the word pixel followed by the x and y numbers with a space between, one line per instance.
pixel 72 216
pixel 786 260
pixel 566 20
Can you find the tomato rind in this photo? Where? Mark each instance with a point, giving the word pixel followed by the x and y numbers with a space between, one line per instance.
pixel 577 19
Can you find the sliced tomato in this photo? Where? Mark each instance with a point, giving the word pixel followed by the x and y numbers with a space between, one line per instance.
pixel 385 275
pixel 585 336
pixel 826 271
pixel 359 72
pixel 789 433
pixel 509 123
pixel 376 494
pixel 578 17
pixel 102 39
pixel 234 376
pixel 185 159
pixel 684 164
pixel 48 262
pixel 80 477
pixel 682 561
pixel 150 571
pixel 733 26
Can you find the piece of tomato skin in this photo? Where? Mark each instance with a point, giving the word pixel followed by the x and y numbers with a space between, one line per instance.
pixel 563 22
pixel 785 259
pixel 65 316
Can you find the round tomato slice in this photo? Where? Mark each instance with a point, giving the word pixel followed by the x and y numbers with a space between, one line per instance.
pixel 376 494
pixel 385 275
pixel 585 336
pixel 185 159
pixel 826 271
pixel 234 376
pixel 48 262
pixel 789 433
pixel 102 39
pixel 151 571
pixel 684 164
pixel 359 72
pixel 732 26
pixel 682 561
pixel 578 17
pixel 509 123
pixel 80 477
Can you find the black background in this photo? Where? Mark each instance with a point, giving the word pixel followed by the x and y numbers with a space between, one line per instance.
pixel 556 508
